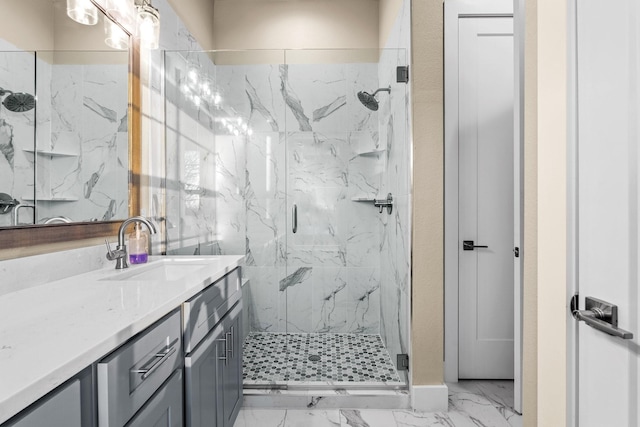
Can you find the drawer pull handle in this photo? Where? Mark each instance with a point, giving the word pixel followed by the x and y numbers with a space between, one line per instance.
pixel 224 353
pixel 160 358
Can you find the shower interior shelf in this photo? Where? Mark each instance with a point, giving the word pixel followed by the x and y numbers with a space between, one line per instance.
pixel 52 153
pixel 50 199
pixel 371 152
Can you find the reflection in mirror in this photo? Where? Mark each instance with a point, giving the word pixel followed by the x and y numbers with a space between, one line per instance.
pixel 63 118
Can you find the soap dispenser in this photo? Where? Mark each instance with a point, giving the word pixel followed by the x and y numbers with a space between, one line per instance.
pixel 138 244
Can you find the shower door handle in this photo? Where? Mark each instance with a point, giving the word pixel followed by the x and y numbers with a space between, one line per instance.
pixel 294 218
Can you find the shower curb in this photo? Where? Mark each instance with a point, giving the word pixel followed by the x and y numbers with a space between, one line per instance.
pixel 328 399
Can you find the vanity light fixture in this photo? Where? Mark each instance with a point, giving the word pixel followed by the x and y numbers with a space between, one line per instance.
pixel 115 37
pixel 121 11
pixel 82 11
pixel 148 24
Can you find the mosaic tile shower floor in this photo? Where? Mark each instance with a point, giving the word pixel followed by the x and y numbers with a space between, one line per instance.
pixel 336 358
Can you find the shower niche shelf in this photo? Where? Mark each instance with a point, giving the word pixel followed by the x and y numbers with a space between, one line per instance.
pixel 371 153
pixel 50 153
pixel 50 199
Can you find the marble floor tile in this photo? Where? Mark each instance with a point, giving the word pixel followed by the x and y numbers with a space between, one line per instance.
pixel 367 418
pixel 422 419
pixel 471 404
pixel 312 418
pixel 261 418
pixel 498 393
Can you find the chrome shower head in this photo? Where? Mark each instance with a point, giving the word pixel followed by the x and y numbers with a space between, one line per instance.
pixel 369 99
pixel 17 102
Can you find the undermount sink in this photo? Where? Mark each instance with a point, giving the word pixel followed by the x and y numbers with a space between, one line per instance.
pixel 166 270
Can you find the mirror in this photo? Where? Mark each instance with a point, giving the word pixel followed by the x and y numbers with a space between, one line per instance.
pixel 64 116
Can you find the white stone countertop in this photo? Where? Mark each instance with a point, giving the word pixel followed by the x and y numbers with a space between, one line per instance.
pixel 49 333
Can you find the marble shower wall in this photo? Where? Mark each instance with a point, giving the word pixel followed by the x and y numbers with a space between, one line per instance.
pixel 17 132
pixel 80 155
pixel 181 173
pixel 82 140
pixel 191 184
pixel 314 145
pixel 396 245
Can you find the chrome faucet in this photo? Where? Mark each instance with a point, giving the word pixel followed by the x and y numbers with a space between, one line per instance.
pixel 120 254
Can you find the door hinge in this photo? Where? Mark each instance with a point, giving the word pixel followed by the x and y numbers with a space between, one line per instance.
pixel 402 74
pixel 516 252
pixel 403 362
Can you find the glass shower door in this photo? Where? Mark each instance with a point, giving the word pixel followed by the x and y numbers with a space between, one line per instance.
pixel 336 165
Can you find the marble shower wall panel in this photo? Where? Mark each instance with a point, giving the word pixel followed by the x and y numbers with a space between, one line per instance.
pixel 364 296
pixel 231 184
pixel 262 298
pixel 172 191
pixel 265 200
pixel 17 71
pixel 87 172
pixel 316 97
pixel 191 189
pixel 332 278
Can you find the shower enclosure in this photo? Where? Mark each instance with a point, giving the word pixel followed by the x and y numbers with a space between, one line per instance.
pixel 272 154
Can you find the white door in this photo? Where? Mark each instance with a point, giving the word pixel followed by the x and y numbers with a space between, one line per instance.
pixel 486 197
pixel 608 208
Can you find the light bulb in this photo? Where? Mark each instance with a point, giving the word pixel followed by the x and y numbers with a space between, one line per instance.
pixel 148 26
pixel 115 37
pixel 82 11
pixel 122 12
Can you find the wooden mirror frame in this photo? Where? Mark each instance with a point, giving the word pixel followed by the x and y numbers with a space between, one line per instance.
pixel 30 236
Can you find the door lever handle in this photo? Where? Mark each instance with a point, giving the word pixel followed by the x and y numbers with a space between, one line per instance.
pixel 600 315
pixel 467 245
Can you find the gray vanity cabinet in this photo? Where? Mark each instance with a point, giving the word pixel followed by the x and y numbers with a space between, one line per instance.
pixel 232 371
pixel 132 375
pixel 203 384
pixel 213 367
pixel 70 405
pixel 164 408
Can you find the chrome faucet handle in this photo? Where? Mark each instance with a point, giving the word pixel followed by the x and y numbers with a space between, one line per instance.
pixel 117 255
pixel 110 254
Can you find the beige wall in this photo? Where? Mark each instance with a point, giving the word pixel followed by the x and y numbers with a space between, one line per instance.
pixel 27 24
pixel 428 192
pixel 286 24
pixel 198 16
pixel 43 25
pixel 551 110
pixel 388 11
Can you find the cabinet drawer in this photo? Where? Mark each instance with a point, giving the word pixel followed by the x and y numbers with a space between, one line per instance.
pixel 129 376
pixel 202 312
pixel 165 408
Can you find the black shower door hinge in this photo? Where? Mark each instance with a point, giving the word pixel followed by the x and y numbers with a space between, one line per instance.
pixel 403 362
pixel 402 74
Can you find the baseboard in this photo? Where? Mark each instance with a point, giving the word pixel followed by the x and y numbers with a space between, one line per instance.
pixel 430 398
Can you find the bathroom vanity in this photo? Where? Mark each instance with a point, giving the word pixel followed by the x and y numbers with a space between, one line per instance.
pixel 155 342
